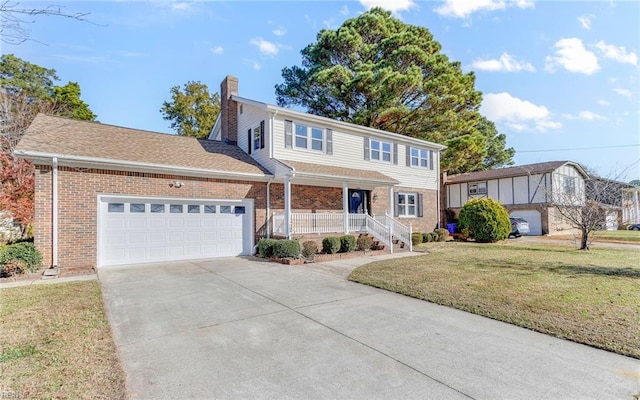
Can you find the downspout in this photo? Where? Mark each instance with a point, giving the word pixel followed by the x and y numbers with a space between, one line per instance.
pixel 54 212
pixel 268 215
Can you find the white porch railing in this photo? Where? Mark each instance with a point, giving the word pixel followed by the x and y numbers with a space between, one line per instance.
pixel 382 228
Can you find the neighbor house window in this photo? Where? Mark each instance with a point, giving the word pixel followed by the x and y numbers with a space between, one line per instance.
pixel 419 158
pixel 407 204
pixel 380 151
pixel 569 185
pixel 478 188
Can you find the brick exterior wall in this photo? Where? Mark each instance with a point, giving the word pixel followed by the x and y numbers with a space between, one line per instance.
pixel 78 191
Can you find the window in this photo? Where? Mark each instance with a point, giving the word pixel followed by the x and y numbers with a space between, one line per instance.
pixel 136 208
pixel 239 209
pixel 301 136
pixel 225 209
pixel 569 185
pixel 406 204
pixel 380 151
pixel 157 208
pixel 193 209
pixel 257 138
pixel 478 188
pixel 116 207
pixel 209 209
pixel 175 208
pixel 419 158
pixel 309 138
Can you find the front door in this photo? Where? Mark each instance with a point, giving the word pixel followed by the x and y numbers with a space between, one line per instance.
pixel 359 201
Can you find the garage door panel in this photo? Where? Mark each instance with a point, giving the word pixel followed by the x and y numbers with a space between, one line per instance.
pixel 532 217
pixel 148 231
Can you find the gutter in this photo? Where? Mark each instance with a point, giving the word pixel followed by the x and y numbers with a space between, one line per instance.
pixel 136 166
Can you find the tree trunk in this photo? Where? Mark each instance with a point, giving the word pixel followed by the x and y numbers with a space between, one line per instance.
pixel 584 242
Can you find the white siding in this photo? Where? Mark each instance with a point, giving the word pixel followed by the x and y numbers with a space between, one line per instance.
pixel 492 189
pixel 453 196
pixel 520 189
pixel 249 119
pixel 506 191
pixel 558 192
pixel 348 152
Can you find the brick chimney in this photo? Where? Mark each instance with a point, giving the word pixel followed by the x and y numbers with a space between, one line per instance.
pixel 229 110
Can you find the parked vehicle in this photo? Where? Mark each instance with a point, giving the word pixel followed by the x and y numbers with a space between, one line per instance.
pixel 634 227
pixel 519 227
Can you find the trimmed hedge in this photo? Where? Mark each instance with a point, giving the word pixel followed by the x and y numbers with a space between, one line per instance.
pixel 486 219
pixel 286 249
pixel 364 243
pixel 416 238
pixel 331 245
pixel 347 243
pixel 441 235
pixel 19 258
pixel 265 247
pixel 309 248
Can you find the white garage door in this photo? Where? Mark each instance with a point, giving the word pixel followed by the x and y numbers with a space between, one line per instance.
pixel 533 218
pixel 141 230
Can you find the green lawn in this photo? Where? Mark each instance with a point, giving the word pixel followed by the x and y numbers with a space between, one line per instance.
pixel 56 343
pixel 617 236
pixel 591 297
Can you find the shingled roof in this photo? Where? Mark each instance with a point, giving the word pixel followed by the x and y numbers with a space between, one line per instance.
pixel 73 139
pixel 311 170
pixel 520 170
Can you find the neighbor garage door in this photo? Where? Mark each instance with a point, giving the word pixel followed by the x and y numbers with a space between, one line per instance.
pixel 141 230
pixel 533 218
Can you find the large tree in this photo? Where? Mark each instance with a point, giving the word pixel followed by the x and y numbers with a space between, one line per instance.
pixel 192 110
pixel 380 72
pixel 25 90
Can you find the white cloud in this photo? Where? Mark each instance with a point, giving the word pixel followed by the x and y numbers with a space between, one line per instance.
pixel 279 31
pixel 182 6
pixel 464 8
pixel 603 103
pixel 618 54
pixel 623 92
pixel 217 50
pixel 573 56
pixel 516 113
pixel 505 63
pixel 267 48
pixel 395 6
pixel 585 21
pixel 586 116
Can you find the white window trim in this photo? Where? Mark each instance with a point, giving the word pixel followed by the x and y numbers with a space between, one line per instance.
pixel 419 158
pixel 309 138
pixel 478 186
pixel 380 160
pixel 407 205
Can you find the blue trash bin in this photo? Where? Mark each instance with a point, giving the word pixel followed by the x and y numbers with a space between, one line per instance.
pixel 451 227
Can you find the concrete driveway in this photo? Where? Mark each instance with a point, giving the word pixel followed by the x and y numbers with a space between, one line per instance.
pixel 239 328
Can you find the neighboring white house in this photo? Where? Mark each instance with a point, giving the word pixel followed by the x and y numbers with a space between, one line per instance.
pixel 526 191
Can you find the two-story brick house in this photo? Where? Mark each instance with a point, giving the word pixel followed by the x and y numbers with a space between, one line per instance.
pixel 108 195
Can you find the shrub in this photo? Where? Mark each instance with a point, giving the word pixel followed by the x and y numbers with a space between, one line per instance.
pixel 416 238
pixel 286 249
pixel 426 237
pixel 19 258
pixel 434 236
pixel 364 243
pixel 441 235
pixel 486 219
pixel 265 247
pixel 347 243
pixel 331 245
pixel 309 248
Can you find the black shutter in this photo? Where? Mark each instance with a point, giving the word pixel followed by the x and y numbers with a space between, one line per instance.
pixel 249 141
pixel 408 156
pixel 262 134
pixel 430 159
pixel 288 134
pixel 396 206
pixel 329 141
pixel 366 148
pixel 419 205
pixel 395 153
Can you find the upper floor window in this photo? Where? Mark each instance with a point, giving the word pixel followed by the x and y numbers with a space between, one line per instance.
pixel 569 185
pixel 380 150
pixel 419 158
pixel 257 138
pixel 306 137
pixel 478 188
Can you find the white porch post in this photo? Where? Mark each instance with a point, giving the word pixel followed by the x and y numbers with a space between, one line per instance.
pixel 345 207
pixel 54 212
pixel 287 206
pixel 391 200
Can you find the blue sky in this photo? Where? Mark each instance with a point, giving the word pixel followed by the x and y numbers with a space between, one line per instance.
pixel 560 79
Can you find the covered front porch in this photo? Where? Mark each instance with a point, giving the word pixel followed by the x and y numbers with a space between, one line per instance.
pixel 338 201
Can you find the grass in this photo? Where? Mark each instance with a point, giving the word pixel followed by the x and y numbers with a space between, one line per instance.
pixel 56 343
pixel 589 297
pixel 617 236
